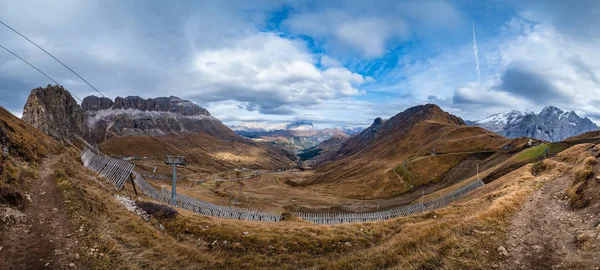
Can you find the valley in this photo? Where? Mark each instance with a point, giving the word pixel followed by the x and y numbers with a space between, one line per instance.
pixel 336 134
pixel 420 157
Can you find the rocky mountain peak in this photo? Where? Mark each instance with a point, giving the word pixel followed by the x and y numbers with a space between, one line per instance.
pixel 429 112
pixel 549 110
pixel 551 124
pixel 54 111
pixel 378 121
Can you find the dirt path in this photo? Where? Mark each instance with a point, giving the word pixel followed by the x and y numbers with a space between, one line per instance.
pixel 44 240
pixel 543 234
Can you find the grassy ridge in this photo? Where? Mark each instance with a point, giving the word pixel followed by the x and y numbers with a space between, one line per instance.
pixel 539 151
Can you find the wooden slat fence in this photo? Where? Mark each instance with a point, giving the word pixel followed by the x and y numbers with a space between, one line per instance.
pixel 117 171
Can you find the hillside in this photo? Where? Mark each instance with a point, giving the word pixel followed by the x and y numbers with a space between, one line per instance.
pixel 22 147
pixel 205 153
pixel 489 227
pixel 324 150
pixel 362 167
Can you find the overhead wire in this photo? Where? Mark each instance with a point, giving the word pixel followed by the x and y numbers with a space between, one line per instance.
pixel 76 74
pixel 43 73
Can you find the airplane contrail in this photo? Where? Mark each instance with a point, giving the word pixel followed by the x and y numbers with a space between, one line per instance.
pixel 476 52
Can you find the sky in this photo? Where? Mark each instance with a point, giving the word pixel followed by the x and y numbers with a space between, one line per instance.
pixel 329 62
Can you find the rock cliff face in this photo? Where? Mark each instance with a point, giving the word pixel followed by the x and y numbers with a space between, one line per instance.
pixel 160 104
pixel 551 124
pixel 54 111
pixel 94 103
pixel 133 115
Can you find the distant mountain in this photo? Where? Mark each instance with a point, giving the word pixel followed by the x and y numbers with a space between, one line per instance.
pixel 551 124
pixel 296 135
pixel 361 166
pixel 134 115
pixel 262 127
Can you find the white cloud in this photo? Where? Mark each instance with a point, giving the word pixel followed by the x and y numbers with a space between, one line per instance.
pixel 267 72
pixel 327 61
pixel 369 35
pixel 370 28
pixel 530 65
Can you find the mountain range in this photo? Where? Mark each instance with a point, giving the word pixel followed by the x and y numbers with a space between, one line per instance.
pixel 297 136
pixel 551 124
pixel 134 126
pixel 419 156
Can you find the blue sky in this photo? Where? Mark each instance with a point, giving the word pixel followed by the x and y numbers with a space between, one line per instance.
pixel 330 62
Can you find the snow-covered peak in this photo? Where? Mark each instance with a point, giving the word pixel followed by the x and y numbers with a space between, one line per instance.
pixel 265 127
pixel 300 126
pixel 502 118
pixel 551 124
pixel 257 126
pixel 549 110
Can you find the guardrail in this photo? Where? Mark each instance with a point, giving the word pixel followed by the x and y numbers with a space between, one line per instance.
pixel 116 172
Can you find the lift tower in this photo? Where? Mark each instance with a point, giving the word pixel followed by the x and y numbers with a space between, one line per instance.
pixel 174 160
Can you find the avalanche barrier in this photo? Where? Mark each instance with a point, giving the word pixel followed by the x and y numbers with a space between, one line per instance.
pixel 116 171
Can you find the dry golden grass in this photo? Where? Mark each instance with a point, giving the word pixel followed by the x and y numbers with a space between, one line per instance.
pixel 26 146
pixel 581 176
pixel 464 235
pixel 204 153
pixel 367 174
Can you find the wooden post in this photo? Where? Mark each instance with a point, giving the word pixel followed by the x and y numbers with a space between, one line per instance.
pixel 133 184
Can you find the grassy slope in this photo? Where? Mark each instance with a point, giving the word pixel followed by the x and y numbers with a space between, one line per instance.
pixel 26 146
pixel 464 235
pixel 539 151
pixel 203 152
pixel 368 174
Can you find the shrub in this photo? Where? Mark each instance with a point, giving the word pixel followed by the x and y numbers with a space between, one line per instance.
pixel 583 175
pixel 538 167
pixel 589 162
pixel 159 211
pixel 576 197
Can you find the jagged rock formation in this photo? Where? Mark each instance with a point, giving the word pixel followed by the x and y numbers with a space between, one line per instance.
pixel 551 124
pixel 54 111
pixel 134 115
pixel 160 104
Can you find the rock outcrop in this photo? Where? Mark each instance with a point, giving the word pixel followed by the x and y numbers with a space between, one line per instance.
pixel 551 124
pixel 135 116
pixel 94 103
pixel 160 104
pixel 54 111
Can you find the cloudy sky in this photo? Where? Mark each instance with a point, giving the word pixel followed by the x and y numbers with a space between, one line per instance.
pixel 330 62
